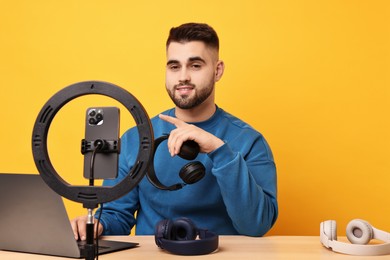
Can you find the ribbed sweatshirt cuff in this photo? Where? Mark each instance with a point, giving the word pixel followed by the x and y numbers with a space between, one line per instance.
pixel 221 156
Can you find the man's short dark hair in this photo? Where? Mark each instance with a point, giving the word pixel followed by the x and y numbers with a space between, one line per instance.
pixel 194 32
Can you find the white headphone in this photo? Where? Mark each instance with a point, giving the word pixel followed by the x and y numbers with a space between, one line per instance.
pixel 359 233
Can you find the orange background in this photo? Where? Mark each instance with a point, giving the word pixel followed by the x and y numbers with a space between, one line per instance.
pixel 312 76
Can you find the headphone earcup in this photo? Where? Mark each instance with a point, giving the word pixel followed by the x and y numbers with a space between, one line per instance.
pixel 330 229
pixel 183 229
pixel 359 232
pixel 189 150
pixel 192 172
pixel 162 230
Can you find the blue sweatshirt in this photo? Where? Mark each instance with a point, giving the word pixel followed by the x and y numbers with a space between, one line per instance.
pixel 236 196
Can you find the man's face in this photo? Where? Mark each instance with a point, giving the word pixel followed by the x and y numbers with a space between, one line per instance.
pixel 190 73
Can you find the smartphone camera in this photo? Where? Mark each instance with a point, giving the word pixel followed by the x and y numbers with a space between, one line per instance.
pixel 95 117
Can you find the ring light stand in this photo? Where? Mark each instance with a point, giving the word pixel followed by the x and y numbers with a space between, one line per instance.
pixel 91 196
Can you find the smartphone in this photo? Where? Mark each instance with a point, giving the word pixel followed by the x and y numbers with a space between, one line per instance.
pixel 102 123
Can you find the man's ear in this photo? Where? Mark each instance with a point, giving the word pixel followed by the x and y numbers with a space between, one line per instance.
pixel 219 70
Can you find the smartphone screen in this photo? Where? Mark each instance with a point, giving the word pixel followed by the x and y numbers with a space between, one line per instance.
pixel 102 123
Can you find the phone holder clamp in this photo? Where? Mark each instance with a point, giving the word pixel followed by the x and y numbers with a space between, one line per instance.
pixel 101 146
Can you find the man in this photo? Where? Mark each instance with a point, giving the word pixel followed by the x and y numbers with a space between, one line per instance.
pixel 238 192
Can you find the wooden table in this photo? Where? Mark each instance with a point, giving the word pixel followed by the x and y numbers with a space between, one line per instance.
pixel 230 247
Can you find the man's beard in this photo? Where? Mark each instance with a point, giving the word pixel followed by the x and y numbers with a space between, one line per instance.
pixel 186 102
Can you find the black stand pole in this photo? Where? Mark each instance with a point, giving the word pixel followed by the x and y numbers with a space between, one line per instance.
pixel 90 246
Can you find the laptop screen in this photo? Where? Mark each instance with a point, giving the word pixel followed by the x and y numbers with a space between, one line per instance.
pixel 33 219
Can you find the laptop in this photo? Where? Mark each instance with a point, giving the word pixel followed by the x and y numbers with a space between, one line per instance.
pixel 33 219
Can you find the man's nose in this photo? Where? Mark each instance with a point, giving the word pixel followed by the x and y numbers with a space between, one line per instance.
pixel 184 75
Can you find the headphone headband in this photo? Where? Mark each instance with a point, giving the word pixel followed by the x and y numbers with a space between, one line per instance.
pixel 207 244
pixel 151 174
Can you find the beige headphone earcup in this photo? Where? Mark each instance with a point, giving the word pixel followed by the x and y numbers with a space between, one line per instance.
pixel 359 232
pixel 330 229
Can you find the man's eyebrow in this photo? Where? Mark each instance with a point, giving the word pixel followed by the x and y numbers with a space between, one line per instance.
pixel 196 58
pixel 191 59
pixel 172 62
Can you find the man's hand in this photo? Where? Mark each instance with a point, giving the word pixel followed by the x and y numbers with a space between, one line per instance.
pixel 183 132
pixel 79 226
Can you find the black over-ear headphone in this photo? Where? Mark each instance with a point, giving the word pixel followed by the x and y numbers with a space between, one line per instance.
pixel 179 237
pixel 189 173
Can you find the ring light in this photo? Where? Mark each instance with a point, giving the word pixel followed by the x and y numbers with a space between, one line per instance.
pixel 91 196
